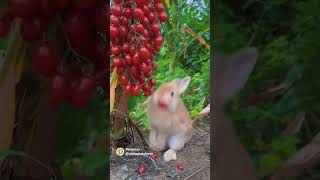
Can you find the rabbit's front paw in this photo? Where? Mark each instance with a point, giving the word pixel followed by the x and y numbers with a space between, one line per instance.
pixel 170 155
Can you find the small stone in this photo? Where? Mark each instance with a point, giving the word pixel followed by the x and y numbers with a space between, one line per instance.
pixel 171 173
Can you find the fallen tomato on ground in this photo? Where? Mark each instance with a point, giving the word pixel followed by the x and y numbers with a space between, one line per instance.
pixel 142 169
pixel 154 156
pixel 180 167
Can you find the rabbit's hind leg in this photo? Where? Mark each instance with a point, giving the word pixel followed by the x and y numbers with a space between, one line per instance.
pixel 157 140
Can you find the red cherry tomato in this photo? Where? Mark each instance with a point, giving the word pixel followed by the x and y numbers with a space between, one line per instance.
pixel 82 93
pixel 58 90
pixel 159 7
pixel 180 167
pixel 128 90
pixel 31 30
pixel 124 80
pixel 141 169
pixel 138 14
pixel 135 90
pixel 45 60
pixel 154 156
pixel 163 17
pixel 22 8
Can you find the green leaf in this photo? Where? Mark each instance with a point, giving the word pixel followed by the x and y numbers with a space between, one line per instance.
pixel 69 170
pixel 6 153
pixel 75 126
pixel 3 43
pixel 94 160
pixel 268 163
pixel 285 146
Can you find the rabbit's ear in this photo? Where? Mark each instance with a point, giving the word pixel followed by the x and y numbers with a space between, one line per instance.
pixel 231 73
pixel 182 83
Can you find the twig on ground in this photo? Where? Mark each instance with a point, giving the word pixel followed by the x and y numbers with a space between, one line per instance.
pixel 128 126
pixel 126 159
pixel 144 104
pixel 154 164
pixel 195 173
pixel 145 144
pixel 203 113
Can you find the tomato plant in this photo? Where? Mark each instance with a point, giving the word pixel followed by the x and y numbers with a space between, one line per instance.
pixel 135 42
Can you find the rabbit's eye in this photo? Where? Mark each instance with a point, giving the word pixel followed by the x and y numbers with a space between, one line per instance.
pixel 172 94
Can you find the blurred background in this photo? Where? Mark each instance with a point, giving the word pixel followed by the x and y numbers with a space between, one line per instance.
pixel 277 114
pixel 53 95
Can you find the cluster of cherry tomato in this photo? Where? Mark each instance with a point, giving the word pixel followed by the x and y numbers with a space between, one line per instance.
pixel 75 73
pixel 135 41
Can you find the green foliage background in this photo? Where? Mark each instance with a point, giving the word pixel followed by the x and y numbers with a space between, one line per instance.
pixel 287 35
pixel 79 132
pixel 3 42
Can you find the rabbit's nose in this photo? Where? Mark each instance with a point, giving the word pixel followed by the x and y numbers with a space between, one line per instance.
pixel 163 105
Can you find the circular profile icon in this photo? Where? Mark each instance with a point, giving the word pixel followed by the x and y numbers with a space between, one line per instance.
pixel 120 151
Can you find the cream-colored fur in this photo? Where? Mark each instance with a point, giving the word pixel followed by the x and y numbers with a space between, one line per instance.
pixel 170 128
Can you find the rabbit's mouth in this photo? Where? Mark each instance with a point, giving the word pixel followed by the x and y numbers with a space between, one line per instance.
pixel 163 106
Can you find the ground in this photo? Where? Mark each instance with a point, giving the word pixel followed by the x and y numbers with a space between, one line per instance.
pixel 195 157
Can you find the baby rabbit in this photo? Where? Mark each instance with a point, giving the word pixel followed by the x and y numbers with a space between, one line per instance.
pixel 171 124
